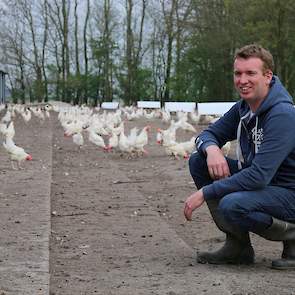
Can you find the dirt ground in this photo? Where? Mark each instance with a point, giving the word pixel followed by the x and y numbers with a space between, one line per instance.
pixel 113 225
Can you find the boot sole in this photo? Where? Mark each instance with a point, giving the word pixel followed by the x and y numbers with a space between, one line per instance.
pixel 283 264
pixel 283 267
pixel 220 262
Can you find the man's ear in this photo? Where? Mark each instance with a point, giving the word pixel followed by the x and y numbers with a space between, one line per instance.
pixel 268 74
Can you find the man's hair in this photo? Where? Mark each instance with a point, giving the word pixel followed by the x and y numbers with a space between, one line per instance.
pixel 255 50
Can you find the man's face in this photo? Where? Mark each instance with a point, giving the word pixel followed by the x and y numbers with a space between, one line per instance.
pixel 250 81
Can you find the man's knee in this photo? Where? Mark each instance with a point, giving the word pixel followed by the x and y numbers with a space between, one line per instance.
pixel 243 212
pixel 197 163
pixel 230 207
pixel 198 169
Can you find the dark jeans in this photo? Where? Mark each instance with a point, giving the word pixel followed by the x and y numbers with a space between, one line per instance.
pixel 250 210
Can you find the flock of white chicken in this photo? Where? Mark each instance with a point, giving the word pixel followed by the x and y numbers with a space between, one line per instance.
pixel 16 153
pixel 105 129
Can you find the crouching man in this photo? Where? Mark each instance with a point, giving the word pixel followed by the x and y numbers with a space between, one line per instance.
pixel 256 192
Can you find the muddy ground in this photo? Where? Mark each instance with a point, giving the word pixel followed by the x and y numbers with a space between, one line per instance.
pixel 88 222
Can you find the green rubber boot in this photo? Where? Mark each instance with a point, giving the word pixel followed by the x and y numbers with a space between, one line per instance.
pixel 282 231
pixel 237 248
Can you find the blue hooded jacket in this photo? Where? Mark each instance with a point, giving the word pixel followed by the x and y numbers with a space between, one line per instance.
pixel 265 144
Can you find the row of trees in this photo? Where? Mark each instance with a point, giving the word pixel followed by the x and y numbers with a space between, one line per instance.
pixel 88 51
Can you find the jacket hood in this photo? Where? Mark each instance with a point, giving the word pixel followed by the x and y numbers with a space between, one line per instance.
pixel 277 94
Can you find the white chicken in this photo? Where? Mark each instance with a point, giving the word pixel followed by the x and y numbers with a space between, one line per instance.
pixel 226 148
pixel 2 128
pixel 166 117
pixel 150 115
pixel 142 140
pixel 116 130
pixel 113 142
pixel 132 116
pixel 169 134
pixel 38 113
pixel 159 137
pixel 189 145
pixel 47 114
pixel 183 124
pixel 176 149
pixel 97 127
pixel 206 119
pixel 27 115
pixel 7 131
pixel 124 144
pixel 180 115
pixel 72 127
pixel 7 117
pixel 16 153
pixel 48 107
pixel 96 139
pixel 78 139
pixel 132 137
pixel 194 117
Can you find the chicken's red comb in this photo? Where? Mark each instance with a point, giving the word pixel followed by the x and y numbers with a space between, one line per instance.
pixel 29 158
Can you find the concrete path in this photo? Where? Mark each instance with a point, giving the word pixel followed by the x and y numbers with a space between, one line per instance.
pixel 25 216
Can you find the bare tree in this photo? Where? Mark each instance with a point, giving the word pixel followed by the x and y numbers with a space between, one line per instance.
pixel 169 23
pixel 76 39
pixel 157 57
pixel 129 46
pixel 77 62
pixel 86 70
pixel 65 48
pixel 14 35
pixel 133 50
pixel 28 10
pixel 44 44
pixel 183 11
pixel 104 49
pixel 55 43
pixel 16 48
pixel 108 93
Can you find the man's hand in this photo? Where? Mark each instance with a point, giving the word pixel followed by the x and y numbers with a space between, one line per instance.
pixel 193 202
pixel 216 162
